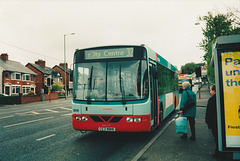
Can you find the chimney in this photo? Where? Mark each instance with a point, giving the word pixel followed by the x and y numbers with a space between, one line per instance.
pixel 4 56
pixel 40 62
pixel 62 65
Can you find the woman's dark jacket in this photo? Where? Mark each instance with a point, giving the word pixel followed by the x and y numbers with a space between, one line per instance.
pixel 211 113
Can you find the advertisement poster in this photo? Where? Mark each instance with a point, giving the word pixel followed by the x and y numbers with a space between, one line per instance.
pixel 231 94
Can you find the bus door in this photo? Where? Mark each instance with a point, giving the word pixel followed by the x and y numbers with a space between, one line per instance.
pixel 153 94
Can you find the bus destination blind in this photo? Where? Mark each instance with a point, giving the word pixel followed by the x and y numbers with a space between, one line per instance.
pixel 109 53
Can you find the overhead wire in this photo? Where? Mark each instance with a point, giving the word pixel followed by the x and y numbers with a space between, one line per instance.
pixel 29 50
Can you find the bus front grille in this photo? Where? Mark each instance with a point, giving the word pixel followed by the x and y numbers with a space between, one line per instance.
pixel 110 119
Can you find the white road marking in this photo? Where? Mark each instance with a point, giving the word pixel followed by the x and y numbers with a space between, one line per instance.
pixel 45 137
pixel 70 109
pixel 51 111
pixel 27 122
pixel 146 147
pixel 6 117
pixel 28 113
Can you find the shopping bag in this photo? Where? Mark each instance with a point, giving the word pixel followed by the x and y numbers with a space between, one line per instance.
pixel 181 125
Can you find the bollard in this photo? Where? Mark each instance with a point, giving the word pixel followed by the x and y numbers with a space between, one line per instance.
pixel 199 92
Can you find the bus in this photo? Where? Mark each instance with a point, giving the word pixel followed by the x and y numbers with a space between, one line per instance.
pixel 122 88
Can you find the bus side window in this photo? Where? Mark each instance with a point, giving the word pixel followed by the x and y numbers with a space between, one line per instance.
pixel 145 84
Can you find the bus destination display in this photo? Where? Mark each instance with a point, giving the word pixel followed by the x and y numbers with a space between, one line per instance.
pixel 109 53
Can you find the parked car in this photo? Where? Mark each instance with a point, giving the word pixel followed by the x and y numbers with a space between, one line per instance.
pixel 59 91
pixel 197 81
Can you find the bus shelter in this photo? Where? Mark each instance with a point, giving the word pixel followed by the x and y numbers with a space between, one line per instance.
pixel 226 61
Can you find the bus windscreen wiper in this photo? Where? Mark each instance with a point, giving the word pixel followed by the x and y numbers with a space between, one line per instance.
pixel 89 86
pixel 121 86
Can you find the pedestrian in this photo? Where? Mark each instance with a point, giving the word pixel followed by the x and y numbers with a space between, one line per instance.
pixel 190 113
pixel 211 117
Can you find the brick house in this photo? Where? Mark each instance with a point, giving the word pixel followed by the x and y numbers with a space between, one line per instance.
pixel 60 68
pixel 43 73
pixel 15 78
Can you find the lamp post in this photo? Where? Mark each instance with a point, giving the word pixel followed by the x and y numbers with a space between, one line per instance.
pixel 197 23
pixel 65 70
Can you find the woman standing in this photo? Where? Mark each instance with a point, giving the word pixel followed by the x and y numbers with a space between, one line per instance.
pixel 190 113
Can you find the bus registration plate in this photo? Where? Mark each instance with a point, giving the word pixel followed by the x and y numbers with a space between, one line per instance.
pixel 106 129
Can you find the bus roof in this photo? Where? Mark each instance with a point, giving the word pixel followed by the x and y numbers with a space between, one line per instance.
pixel 157 57
pixel 152 54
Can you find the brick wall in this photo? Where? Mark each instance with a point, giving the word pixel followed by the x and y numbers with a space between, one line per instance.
pixel 26 99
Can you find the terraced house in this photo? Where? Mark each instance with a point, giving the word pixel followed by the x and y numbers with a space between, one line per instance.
pixel 15 78
pixel 43 73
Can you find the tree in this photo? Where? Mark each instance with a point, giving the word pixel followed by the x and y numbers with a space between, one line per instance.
pixel 189 68
pixel 217 25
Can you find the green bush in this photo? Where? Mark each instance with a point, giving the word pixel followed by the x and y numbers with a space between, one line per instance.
pixel 57 85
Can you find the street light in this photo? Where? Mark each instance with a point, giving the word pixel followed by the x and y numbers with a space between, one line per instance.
pixel 197 23
pixel 65 70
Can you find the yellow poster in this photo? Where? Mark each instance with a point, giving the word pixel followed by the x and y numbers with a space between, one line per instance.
pixel 231 90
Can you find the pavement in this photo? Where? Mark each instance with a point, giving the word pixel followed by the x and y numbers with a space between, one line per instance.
pixel 170 147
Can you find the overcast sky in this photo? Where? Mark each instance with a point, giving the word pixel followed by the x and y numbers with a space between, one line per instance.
pixel 34 29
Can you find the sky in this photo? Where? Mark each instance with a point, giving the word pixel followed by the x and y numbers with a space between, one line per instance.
pixel 35 29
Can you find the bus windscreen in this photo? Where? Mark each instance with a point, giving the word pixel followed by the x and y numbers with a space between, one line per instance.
pixel 102 81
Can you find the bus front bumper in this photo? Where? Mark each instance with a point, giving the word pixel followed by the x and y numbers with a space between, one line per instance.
pixel 112 123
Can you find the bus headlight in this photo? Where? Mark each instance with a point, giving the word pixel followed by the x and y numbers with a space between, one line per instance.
pixel 137 119
pixel 129 119
pixel 78 118
pixel 84 118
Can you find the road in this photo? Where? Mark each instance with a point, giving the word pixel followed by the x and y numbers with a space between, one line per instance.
pixel 42 131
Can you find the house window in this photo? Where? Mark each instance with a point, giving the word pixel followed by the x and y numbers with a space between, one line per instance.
pixel 32 78
pixel 23 77
pixel 7 75
pixel 45 82
pixel 15 89
pixel 26 89
pixel 16 76
pixel 26 77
